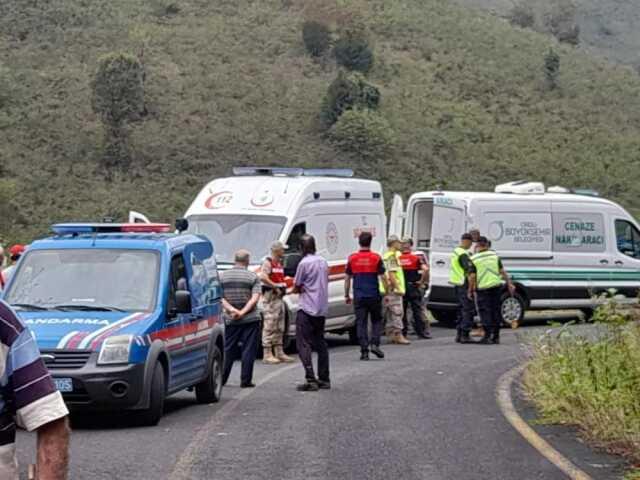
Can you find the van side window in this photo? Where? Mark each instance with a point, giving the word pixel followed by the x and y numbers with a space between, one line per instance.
pixel 177 279
pixel 294 241
pixel 628 239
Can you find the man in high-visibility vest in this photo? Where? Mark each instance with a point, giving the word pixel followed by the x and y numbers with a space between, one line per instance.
pixel 459 278
pixel 486 279
pixel 393 290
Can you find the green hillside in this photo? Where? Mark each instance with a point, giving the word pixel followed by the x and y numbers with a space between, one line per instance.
pixel 228 82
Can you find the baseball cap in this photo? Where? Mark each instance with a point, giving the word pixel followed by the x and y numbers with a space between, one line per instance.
pixel 483 241
pixel 466 236
pixel 278 245
pixel 407 239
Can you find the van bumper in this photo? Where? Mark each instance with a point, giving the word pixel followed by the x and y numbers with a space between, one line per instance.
pixel 117 387
pixel 442 298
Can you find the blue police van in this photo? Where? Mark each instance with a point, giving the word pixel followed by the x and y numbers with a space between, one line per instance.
pixel 124 315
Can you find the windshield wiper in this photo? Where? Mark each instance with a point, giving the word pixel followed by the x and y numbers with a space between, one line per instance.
pixel 87 308
pixel 29 306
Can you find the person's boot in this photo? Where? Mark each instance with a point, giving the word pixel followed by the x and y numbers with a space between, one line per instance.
pixel 283 357
pixel 364 355
pixel 458 335
pixel 375 349
pixel 495 337
pixel 466 338
pixel 401 339
pixel 269 358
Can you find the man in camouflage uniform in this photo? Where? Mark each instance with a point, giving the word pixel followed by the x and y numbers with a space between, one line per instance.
pixel 393 290
pixel 273 290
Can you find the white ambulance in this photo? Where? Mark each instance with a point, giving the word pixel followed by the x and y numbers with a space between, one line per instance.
pixel 259 205
pixel 561 248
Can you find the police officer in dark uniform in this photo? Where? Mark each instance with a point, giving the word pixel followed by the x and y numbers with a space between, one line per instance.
pixel 416 274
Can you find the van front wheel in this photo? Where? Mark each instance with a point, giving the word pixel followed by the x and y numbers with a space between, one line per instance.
pixel 512 308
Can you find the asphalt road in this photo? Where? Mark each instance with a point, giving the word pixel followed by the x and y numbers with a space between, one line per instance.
pixel 427 411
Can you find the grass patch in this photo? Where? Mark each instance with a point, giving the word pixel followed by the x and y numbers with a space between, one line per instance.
pixel 590 380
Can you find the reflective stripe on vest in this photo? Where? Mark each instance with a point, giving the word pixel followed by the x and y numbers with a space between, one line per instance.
pixel 487 270
pixel 457 275
pixel 394 267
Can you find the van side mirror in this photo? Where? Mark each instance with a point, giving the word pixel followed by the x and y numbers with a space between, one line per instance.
pixel 183 301
pixel 291 262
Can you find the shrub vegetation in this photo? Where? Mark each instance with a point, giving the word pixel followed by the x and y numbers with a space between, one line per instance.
pixel 592 380
pixel 346 92
pixel 363 133
pixel 316 37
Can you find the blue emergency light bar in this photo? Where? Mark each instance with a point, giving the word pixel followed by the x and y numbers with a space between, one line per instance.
pixel 78 228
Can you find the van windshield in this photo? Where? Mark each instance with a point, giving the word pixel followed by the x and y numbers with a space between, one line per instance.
pixel 87 279
pixel 230 233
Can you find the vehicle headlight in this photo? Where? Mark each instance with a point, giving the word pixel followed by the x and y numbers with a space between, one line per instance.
pixel 115 350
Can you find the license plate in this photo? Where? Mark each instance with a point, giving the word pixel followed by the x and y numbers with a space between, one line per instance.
pixel 63 384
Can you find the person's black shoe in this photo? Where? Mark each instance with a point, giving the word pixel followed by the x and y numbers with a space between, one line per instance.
pixel 364 355
pixel 495 340
pixel 484 341
pixel 307 387
pixel 425 336
pixel 458 336
pixel 324 385
pixel 375 349
pixel 248 385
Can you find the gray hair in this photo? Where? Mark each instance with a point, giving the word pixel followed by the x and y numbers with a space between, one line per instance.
pixel 242 257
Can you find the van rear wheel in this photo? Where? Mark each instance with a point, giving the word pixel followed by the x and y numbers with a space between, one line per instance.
pixel 512 308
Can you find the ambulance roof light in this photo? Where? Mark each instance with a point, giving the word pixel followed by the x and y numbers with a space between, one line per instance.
pixel 293 172
pixel 78 228
pixel 521 187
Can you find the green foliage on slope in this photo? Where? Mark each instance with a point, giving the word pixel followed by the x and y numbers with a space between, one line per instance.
pixel 228 82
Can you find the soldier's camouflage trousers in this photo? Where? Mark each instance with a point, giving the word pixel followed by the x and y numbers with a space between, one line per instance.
pixel 273 320
pixel 393 311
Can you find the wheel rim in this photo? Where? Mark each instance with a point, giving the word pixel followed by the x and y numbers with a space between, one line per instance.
pixel 216 378
pixel 511 309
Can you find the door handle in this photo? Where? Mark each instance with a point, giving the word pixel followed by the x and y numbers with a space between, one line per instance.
pixel 440 263
pixel 619 262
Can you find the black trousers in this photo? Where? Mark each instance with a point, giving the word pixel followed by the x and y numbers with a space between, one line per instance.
pixel 466 308
pixel 240 341
pixel 366 308
pixel 489 310
pixel 310 336
pixel 413 300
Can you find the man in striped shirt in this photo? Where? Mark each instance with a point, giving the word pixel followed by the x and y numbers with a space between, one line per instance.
pixel 29 398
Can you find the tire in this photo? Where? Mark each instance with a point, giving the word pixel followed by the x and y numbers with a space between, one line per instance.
pixel 445 318
pixel 157 392
pixel 210 389
pixel 512 308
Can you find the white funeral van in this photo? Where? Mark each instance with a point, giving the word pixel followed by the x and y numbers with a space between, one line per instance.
pixel 562 249
pixel 259 205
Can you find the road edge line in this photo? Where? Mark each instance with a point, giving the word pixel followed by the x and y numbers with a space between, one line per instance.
pixel 505 402
pixel 182 468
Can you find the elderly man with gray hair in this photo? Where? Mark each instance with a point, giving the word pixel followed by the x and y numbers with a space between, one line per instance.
pixel 274 289
pixel 242 319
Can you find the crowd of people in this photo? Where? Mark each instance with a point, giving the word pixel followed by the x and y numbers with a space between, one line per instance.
pixel 385 291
